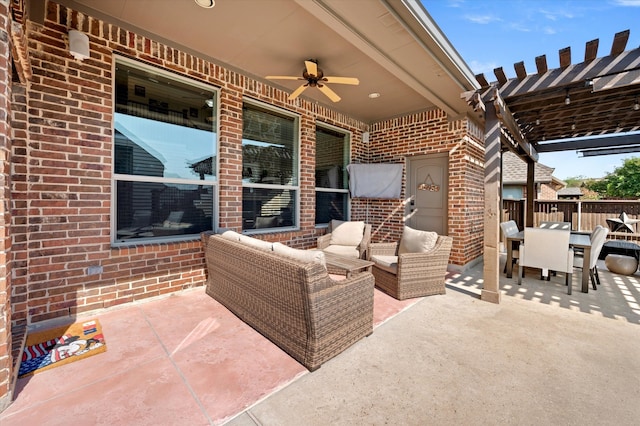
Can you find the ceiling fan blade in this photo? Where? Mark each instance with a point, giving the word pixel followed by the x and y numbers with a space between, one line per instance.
pixel 312 67
pixel 342 80
pixel 297 92
pixel 282 77
pixel 330 93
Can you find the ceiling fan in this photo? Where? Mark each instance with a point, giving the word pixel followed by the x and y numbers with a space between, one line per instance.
pixel 315 78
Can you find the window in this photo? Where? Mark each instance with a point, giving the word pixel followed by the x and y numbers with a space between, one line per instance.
pixel 269 169
pixel 164 159
pixel 332 157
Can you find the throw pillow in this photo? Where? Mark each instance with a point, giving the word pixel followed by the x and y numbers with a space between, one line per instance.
pixel 307 256
pixel 416 241
pixel 346 233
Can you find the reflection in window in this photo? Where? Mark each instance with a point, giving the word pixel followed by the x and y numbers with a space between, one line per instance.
pixel 269 169
pixel 164 155
pixel 332 157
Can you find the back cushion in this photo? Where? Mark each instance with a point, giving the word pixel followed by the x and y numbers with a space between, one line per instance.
pixel 348 233
pixel 307 256
pixel 416 241
pixel 230 235
pixel 255 242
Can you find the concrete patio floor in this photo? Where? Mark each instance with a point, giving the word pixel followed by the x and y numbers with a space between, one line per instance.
pixel 539 357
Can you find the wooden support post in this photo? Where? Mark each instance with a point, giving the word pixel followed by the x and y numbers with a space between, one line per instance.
pixel 531 192
pixel 492 173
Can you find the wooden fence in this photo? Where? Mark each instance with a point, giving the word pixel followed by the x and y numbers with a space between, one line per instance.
pixel 584 215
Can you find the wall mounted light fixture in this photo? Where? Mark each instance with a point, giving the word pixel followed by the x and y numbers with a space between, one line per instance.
pixel 636 106
pixel 567 99
pixel 79 45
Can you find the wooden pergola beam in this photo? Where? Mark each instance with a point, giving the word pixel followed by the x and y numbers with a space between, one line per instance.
pixel 480 78
pixel 591 50
pixel 565 57
pixel 521 72
pixel 541 64
pixel 619 42
pixel 500 75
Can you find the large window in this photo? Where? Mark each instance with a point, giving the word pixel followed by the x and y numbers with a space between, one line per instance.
pixel 332 157
pixel 164 160
pixel 269 169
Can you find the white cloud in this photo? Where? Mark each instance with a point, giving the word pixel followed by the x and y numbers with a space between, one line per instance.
pixel 485 68
pixel 549 30
pixel 632 3
pixel 482 19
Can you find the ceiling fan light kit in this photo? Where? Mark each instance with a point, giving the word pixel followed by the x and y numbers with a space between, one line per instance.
pixel 207 4
pixel 315 77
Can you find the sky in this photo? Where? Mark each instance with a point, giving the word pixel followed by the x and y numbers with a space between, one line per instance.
pixel 499 33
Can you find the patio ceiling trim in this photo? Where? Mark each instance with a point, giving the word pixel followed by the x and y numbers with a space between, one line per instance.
pixel 592 143
pixel 321 10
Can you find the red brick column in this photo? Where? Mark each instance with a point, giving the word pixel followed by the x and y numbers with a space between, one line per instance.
pixel 6 361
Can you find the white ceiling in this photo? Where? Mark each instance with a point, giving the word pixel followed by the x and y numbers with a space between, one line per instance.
pixel 392 46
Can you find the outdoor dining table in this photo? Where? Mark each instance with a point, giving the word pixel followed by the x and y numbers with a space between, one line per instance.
pixel 576 240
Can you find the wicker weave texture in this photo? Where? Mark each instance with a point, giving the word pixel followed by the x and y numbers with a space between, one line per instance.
pixel 419 274
pixel 294 304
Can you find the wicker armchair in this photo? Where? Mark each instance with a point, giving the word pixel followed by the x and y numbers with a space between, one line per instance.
pixel 416 274
pixel 325 242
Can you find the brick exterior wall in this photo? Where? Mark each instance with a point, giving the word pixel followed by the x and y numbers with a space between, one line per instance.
pixel 431 133
pixel 62 165
pixel 6 359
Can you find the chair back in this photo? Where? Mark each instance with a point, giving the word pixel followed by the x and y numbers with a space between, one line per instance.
pixel 509 228
pixel 546 249
pixel 556 225
pixel 598 238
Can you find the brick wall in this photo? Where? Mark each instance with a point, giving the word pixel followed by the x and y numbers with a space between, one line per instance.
pixel 431 133
pixel 6 360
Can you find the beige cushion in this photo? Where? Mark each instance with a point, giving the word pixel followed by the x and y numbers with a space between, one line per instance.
pixel 348 233
pixel 254 242
pixel 231 235
pixel 307 256
pixel 387 263
pixel 416 241
pixel 347 251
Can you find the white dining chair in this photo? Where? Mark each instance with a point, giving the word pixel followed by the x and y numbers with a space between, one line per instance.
pixel 598 238
pixel 510 227
pixel 546 249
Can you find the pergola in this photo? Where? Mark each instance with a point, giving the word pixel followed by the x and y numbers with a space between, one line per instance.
pixel 592 107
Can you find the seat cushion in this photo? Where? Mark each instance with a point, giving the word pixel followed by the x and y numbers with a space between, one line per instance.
pixel 307 256
pixel 347 251
pixel 387 263
pixel 348 233
pixel 416 241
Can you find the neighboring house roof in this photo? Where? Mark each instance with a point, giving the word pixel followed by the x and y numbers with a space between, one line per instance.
pixel 514 171
pixel 570 191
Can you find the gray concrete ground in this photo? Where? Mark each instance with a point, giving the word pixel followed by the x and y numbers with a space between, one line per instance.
pixel 540 357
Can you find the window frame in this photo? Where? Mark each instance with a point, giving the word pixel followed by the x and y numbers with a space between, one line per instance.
pixel 296 188
pixel 119 177
pixel 347 159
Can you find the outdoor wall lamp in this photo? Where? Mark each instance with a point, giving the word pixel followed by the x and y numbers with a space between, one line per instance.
pixel 636 106
pixel 567 99
pixel 79 45
pixel 207 4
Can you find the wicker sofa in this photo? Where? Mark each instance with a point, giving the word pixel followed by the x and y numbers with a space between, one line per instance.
pixel 294 303
pixel 409 275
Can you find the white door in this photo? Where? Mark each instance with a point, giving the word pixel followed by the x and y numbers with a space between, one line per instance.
pixel 427 187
